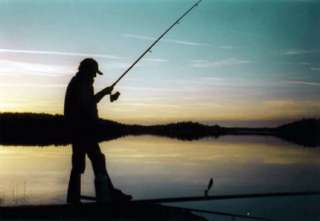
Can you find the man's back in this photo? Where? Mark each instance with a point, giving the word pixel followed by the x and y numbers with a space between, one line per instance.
pixel 80 108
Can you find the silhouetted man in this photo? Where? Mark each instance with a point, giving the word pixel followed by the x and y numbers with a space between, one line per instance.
pixel 81 115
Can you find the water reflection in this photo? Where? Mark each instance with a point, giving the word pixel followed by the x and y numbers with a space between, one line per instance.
pixel 147 166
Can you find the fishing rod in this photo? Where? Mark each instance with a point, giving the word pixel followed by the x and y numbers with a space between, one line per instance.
pixel 115 96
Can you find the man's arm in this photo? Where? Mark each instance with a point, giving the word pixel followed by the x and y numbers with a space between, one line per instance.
pixel 98 96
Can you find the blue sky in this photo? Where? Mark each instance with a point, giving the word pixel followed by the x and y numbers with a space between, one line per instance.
pixel 226 62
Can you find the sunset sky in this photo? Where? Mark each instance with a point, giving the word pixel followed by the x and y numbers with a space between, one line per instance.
pixel 229 61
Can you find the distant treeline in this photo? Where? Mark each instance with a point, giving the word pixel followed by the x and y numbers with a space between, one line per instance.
pixel 47 129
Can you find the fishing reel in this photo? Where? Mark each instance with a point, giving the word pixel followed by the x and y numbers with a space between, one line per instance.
pixel 115 96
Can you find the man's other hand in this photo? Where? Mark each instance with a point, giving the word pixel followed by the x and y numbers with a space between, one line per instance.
pixel 115 96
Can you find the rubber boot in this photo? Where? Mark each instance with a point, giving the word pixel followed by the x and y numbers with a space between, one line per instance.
pixel 74 188
pixel 103 190
pixel 119 196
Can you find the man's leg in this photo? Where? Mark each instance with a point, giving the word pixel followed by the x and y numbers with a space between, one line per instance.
pixel 105 191
pixel 103 184
pixel 98 161
pixel 78 167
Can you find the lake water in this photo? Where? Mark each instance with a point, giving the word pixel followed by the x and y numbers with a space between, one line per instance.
pixel 150 167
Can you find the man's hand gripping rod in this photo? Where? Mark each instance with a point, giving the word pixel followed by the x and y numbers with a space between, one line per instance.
pixel 115 96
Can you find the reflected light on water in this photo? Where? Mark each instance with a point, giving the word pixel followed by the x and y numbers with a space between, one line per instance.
pixel 149 167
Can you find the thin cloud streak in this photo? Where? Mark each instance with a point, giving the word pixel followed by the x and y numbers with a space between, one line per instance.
pixel 305 63
pixel 308 83
pixel 218 63
pixel 160 60
pixel 175 41
pixel 300 52
pixel 125 64
pixel 152 105
pixel 120 65
pixel 227 47
pixel 151 89
pixel 285 105
pixel 315 68
pixel 22 85
pixel 60 53
pixel 8 67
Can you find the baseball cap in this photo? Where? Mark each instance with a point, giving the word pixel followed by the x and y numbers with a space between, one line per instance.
pixel 89 64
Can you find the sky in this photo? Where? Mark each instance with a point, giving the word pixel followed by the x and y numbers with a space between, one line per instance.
pixel 232 62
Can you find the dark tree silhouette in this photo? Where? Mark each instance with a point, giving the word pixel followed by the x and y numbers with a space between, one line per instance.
pixel 45 129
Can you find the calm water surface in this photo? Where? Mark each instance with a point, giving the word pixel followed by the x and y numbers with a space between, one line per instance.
pixel 150 167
